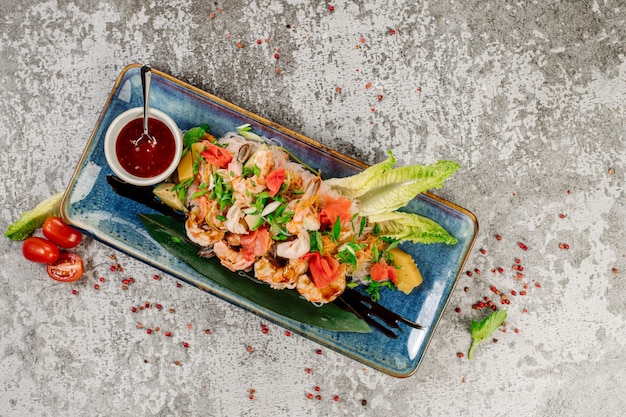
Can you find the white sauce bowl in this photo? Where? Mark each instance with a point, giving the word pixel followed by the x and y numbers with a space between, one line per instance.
pixel 110 140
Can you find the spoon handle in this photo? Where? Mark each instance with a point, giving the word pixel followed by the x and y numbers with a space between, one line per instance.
pixel 146 77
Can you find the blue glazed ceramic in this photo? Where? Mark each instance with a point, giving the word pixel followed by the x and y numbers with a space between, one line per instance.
pixel 91 205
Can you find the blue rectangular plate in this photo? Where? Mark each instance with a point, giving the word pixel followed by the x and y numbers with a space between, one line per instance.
pixel 91 205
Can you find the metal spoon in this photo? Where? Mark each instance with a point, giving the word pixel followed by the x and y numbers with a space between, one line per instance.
pixel 146 78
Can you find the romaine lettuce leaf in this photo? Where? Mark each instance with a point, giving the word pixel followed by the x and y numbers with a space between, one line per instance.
pixel 35 218
pixel 413 227
pixel 394 188
pixel 358 184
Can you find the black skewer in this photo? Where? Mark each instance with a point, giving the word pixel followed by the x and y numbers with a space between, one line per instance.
pixel 373 313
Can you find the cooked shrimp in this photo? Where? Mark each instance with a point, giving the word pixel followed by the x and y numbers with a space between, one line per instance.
pixel 267 159
pixel 234 222
pixel 294 249
pixel 245 188
pixel 308 290
pixel 305 210
pixel 268 269
pixel 235 260
pixel 298 177
pixel 213 215
pixel 198 231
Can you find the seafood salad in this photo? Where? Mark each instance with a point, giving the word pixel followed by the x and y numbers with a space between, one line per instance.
pixel 251 204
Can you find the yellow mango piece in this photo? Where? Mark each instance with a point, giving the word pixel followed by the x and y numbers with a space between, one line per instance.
pixel 407 274
pixel 185 166
pixel 197 147
pixel 166 194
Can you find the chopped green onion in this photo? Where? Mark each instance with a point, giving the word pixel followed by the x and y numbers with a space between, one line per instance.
pixel 316 241
pixel 336 232
pixel 199 194
pixel 362 225
pixel 375 253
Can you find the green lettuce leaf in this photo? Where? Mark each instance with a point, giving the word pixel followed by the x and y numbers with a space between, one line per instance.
pixel 393 189
pixel 35 218
pixel 358 184
pixel 408 226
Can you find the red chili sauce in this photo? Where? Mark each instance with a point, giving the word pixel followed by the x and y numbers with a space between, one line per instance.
pixel 145 160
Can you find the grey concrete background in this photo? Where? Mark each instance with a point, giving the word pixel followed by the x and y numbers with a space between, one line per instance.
pixel 527 96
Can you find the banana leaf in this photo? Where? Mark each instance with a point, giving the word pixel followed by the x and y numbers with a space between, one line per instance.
pixel 170 233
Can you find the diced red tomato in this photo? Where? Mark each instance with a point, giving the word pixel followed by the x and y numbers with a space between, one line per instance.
pixel 275 180
pixel 381 271
pixel 324 269
pixel 334 208
pixel 217 156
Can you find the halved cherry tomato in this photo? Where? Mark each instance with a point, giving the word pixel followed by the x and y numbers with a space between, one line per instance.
pixel 68 268
pixel 56 230
pixel 38 249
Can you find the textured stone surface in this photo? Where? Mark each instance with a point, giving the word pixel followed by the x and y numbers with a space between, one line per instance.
pixel 529 98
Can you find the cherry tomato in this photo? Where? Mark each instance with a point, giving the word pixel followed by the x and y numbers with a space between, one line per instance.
pixel 56 230
pixel 68 268
pixel 38 249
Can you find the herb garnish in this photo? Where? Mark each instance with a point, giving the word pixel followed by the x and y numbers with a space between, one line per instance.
pixel 373 288
pixel 482 330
